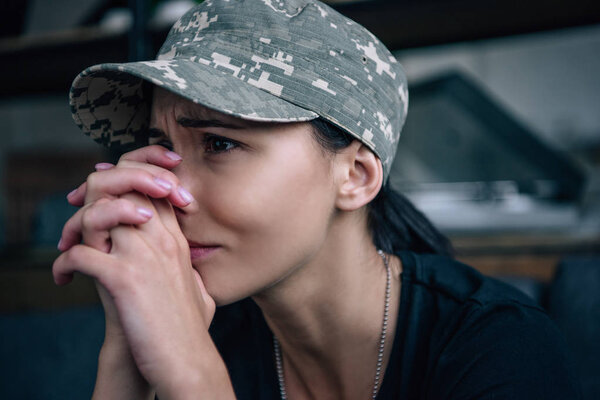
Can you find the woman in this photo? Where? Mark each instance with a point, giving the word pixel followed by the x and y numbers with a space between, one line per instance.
pixel 280 122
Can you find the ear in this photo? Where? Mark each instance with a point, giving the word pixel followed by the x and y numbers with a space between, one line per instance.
pixel 360 176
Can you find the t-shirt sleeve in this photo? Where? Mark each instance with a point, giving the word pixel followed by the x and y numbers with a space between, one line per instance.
pixel 507 351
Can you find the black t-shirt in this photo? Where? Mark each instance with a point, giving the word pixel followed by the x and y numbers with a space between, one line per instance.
pixel 459 335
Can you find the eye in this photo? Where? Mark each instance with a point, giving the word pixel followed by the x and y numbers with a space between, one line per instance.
pixel 166 143
pixel 157 136
pixel 214 144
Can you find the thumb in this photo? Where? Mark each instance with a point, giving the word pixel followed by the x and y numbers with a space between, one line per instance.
pixel 206 298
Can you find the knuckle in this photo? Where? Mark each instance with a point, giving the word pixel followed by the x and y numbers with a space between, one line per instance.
pixel 168 176
pixel 135 173
pixel 127 156
pixel 58 262
pixel 73 255
pixel 101 201
pixel 135 198
pixel 145 174
pixel 87 219
pixel 138 153
pixel 92 178
pixel 123 205
pixel 125 279
pixel 123 162
pixel 169 245
pixel 155 148
pixel 109 278
pixel 71 223
pixel 89 216
pixel 128 163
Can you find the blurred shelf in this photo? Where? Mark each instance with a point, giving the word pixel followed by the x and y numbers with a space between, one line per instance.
pixel 26 258
pixel 534 255
pixel 539 267
pixel 23 291
pixel 417 23
pixel 526 244
pixel 26 282
pixel 48 63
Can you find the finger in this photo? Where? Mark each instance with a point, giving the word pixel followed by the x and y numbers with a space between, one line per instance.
pixel 162 227
pixel 130 242
pixel 168 218
pixel 83 259
pixel 153 154
pixel 206 298
pixel 93 222
pixel 97 221
pixel 166 214
pixel 161 232
pixel 77 196
pixel 154 234
pixel 118 181
pixel 179 191
pixel 103 166
pixel 151 180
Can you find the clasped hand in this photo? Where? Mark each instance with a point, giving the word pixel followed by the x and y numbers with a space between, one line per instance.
pixel 126 236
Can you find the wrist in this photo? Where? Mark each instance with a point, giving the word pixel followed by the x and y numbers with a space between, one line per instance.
pixel 118 376
pixel 115 353
pixel 205 377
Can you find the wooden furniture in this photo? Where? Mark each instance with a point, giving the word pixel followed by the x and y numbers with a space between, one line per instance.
pixel 32 176
pixel 26 280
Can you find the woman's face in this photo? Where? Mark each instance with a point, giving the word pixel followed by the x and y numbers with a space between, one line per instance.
pixel 264 195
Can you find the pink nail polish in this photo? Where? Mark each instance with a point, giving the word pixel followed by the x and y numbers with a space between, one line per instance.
pixel 72 192
pixel 59 243
pixel 162 183
pixel 103 166
pixel 145 212
pixel 185 195
pixel 173 156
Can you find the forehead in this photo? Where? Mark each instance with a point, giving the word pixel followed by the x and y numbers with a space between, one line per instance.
pixel 165 102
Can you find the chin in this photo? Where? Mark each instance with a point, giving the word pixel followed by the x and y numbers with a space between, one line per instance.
pixel 226 300
pixel 225 295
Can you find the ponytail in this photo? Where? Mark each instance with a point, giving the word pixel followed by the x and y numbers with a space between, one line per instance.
pixel 394 222
pixel 396 225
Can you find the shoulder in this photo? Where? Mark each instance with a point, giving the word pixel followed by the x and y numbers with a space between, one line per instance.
pixel 486 339
pixel 459 283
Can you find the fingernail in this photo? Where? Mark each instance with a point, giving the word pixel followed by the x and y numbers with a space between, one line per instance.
pixel 162 183
pixel 59 243
pixel 185 195
pixel 173 156
pixel 146 212
pixel 103 166
pixel 72 192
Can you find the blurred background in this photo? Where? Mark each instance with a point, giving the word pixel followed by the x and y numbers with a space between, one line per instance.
pixel 501 150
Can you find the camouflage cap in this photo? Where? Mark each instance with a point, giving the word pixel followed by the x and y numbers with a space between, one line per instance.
pixel 262 60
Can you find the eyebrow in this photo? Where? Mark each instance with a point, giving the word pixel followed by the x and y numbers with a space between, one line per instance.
pixel 205 123
pixel 155 132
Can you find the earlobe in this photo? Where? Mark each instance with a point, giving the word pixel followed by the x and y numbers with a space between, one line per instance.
pixel 362 174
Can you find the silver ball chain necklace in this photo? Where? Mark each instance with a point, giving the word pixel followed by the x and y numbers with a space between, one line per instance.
pixel 279 362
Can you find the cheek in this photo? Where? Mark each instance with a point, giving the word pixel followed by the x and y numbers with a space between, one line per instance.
pixel 271 202
pixel 276 217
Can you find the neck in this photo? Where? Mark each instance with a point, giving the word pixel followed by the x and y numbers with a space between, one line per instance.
pixel 328 314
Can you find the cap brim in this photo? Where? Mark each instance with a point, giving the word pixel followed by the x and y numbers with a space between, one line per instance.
pixel 108 102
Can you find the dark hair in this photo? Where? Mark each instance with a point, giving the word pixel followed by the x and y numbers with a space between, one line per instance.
pixel 395 224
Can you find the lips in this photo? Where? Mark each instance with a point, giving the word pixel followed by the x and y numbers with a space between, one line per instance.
pixel 200 251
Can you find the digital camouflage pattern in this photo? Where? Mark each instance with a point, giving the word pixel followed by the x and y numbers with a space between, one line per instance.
pixel 264 60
